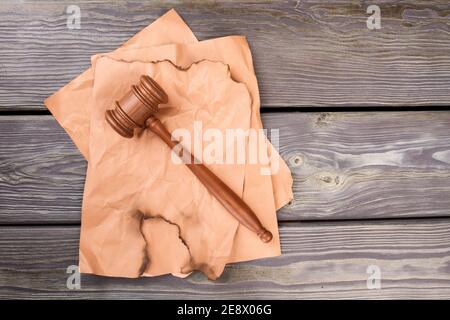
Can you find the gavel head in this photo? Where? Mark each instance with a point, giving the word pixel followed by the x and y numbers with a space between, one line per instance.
pixel 136 106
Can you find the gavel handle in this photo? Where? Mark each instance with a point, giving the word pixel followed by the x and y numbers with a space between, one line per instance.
pixel 230 200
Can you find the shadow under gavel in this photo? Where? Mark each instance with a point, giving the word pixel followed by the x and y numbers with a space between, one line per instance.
pixel 136 110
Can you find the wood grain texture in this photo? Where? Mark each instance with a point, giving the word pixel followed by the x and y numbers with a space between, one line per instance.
pixel 345 166
pixel 306 53
pixel 319 261
pixel 41 172
pixel 366 165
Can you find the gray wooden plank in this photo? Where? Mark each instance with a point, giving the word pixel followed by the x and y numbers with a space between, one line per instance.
pixel 345 166
pixel 320 260
pixel 366 165
pixel 41 172
pixel 306 53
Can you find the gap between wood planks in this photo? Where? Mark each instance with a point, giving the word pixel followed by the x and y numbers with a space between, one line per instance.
pixel 271 109
pixel 280 223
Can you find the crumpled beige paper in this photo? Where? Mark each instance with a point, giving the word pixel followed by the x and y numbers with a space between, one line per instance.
pixel 142 214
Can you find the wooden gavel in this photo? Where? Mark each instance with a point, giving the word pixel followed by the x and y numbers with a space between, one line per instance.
pixel 136 110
